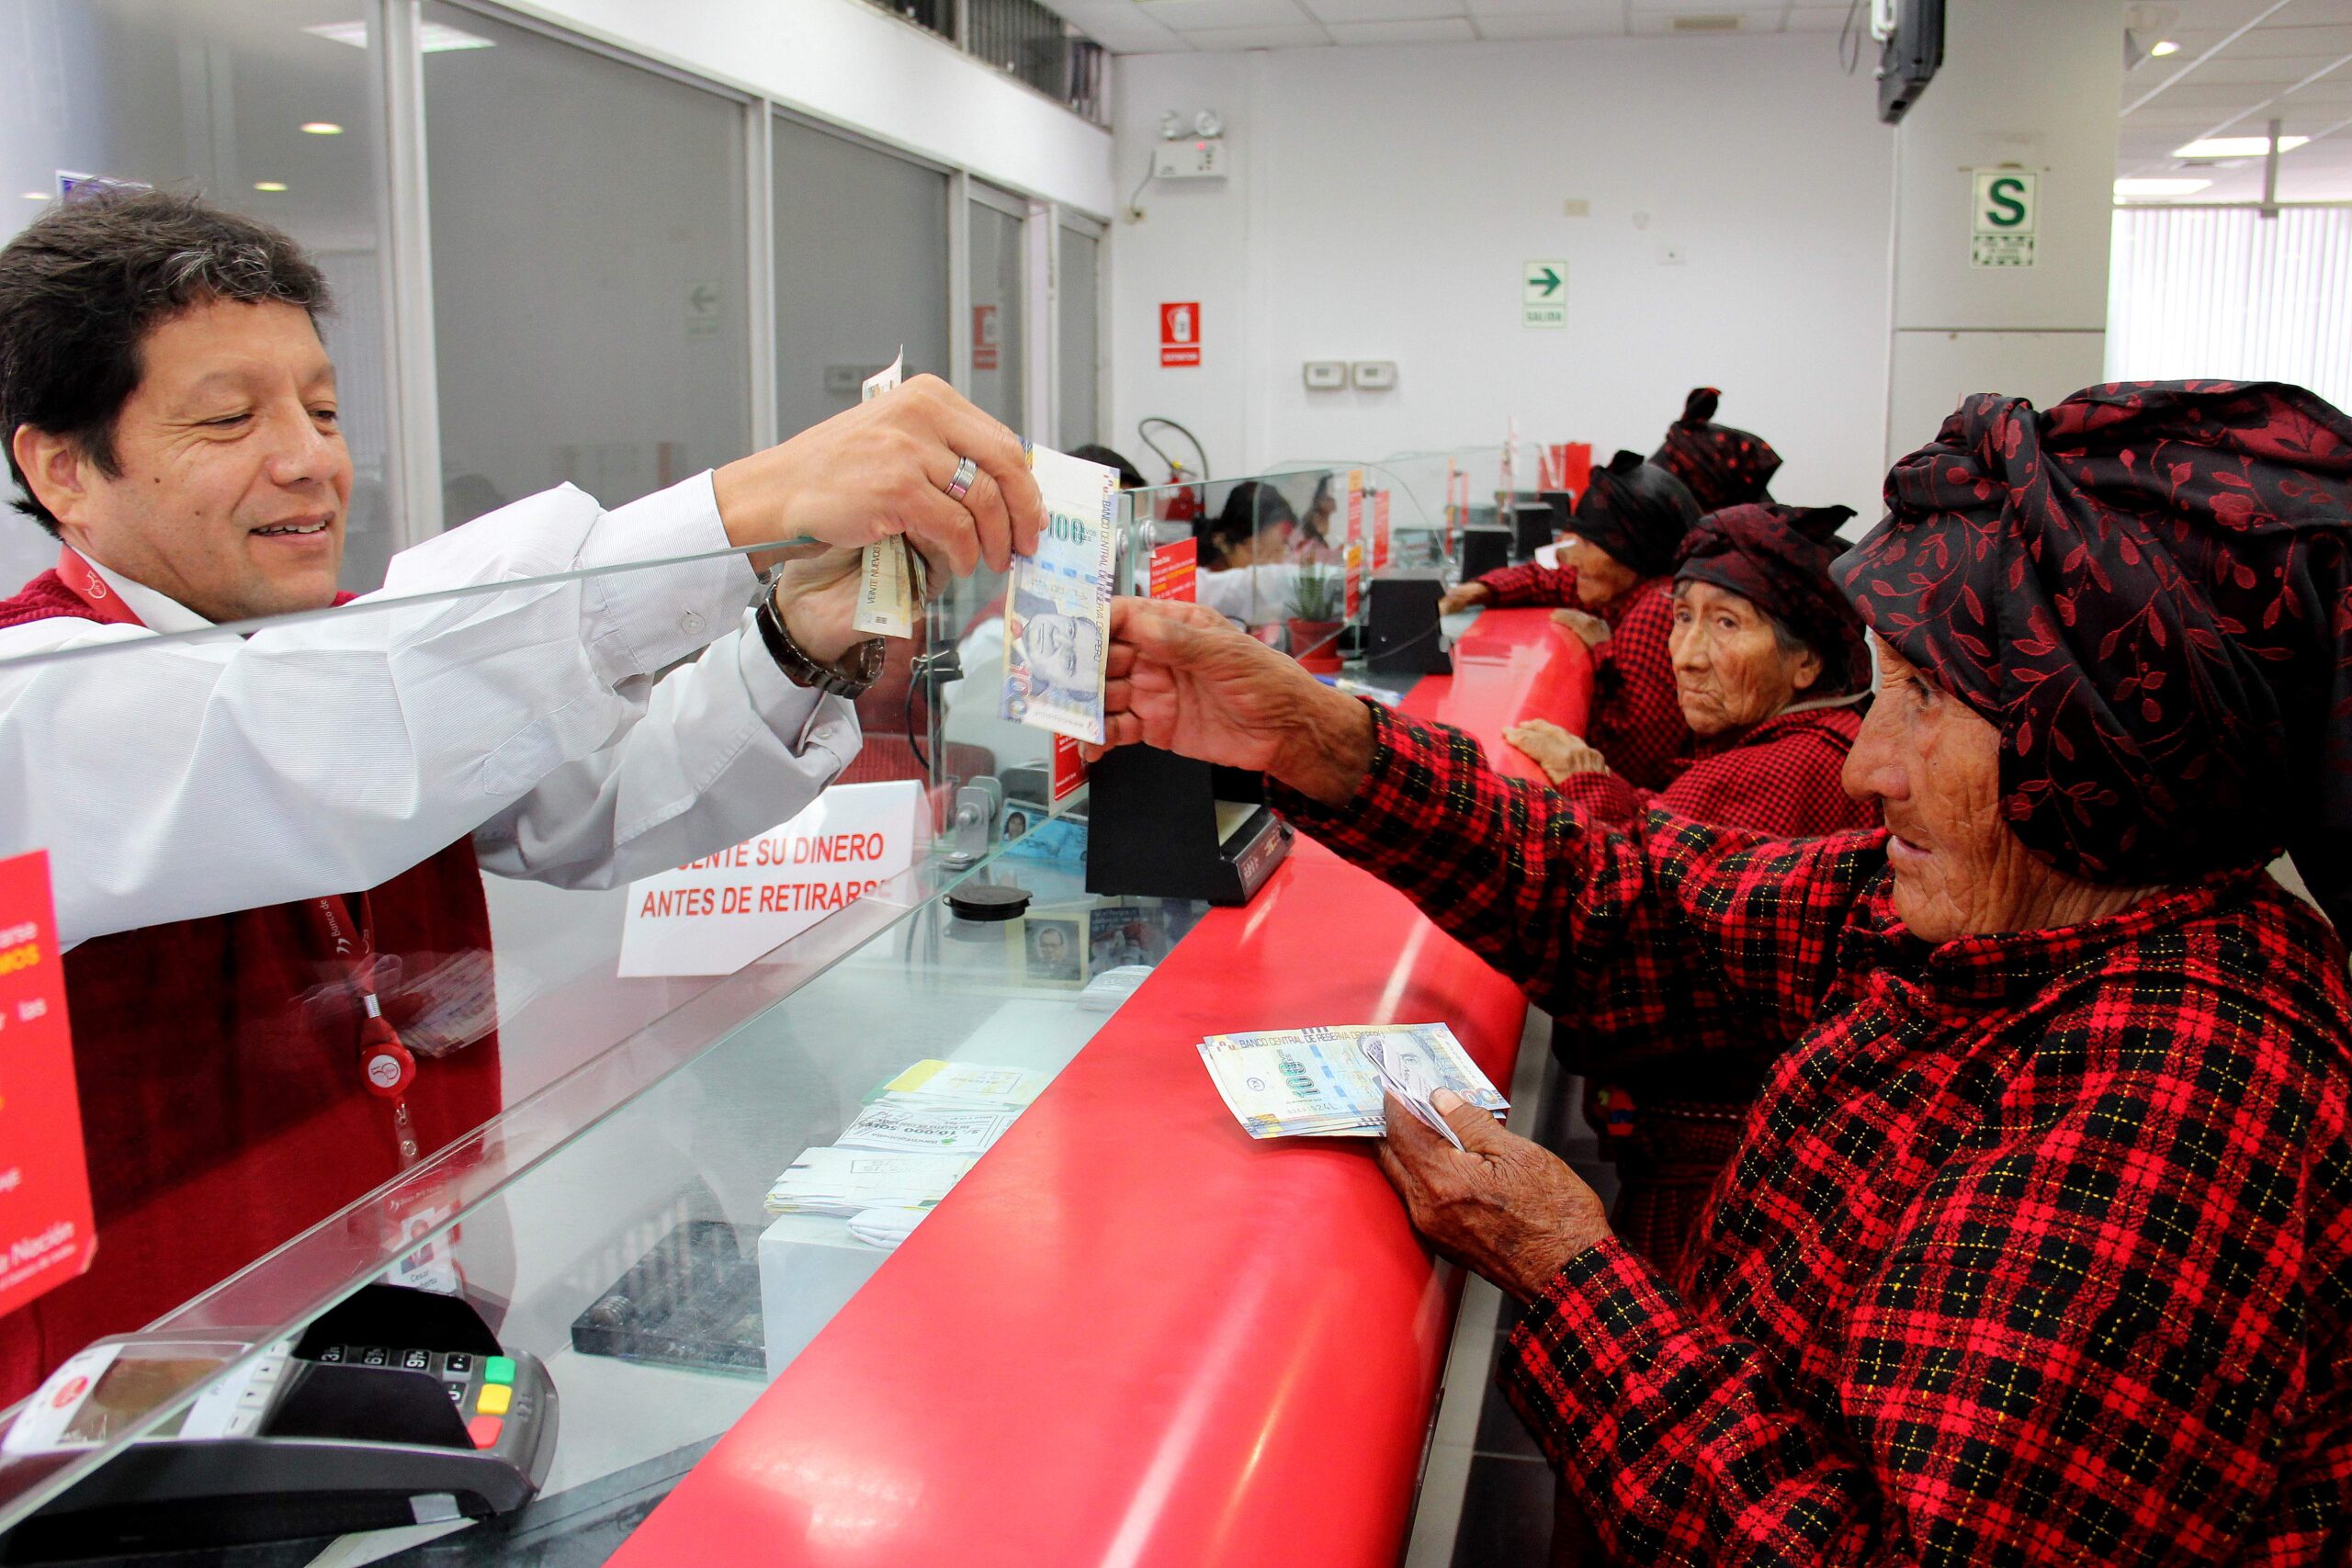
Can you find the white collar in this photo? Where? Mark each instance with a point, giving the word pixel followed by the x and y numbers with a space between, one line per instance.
pixel 156 611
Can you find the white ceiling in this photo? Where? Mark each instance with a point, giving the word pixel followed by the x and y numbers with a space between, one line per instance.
pixel 1162 27
pixel 2240 64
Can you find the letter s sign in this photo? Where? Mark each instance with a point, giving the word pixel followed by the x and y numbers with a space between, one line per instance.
pixel 2005 201
pixel 2005 209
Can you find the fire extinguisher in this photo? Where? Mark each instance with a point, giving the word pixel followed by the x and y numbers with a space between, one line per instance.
pixel 1188 498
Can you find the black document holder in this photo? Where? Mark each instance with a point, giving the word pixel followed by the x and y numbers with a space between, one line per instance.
pixel 1151 830
pixel 1484 550
pixel 1404 635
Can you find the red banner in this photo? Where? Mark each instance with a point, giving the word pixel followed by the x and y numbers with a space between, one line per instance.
pixel 46 1234
pixel 1380 536
pixel 1354 554
pixel 1069 768
pixel 1175 570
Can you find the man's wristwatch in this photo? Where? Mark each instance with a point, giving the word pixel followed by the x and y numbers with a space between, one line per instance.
pixel 850 679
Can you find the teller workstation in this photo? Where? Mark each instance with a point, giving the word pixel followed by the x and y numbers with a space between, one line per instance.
pixel 851 1194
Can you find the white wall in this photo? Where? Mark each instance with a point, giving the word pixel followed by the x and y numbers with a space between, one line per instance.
pixel 1382 202
pixel 848 62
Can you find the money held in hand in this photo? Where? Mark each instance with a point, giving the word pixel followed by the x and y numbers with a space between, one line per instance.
pixel 1328 1082
pixel 1057 606
pixel 887 594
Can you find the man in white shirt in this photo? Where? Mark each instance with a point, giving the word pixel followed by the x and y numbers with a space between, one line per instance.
pixel 251 837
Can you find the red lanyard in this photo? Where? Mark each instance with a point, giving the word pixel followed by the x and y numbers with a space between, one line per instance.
pixel 384 1062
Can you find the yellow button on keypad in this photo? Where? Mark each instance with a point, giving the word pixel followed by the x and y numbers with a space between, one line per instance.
pixel 494 1400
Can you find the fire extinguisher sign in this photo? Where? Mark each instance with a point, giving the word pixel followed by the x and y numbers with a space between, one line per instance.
pixel 1180 332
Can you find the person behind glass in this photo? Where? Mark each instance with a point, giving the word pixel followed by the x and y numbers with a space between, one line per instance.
pixel 1130 477
pixel 1310 543
pixel 2033 1251
pixel 1245 572
pixel 1773 676
pixel 266 850
pixel 1629 523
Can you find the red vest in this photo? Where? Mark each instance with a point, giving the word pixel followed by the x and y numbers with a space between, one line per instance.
pixel 222 1104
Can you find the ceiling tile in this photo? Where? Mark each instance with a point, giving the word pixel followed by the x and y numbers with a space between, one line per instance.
pixel 1381 10
pixel 1441 30
pixel 1537 25
pixel 1306 35
pixel 1192 15
pixel 1119 26
pixel 1586 15
pixel 1827 20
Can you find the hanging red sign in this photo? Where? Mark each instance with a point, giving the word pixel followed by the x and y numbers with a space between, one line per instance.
pixel 984 339
pixel 1380 536
pixel 1175 569
pixel 46 1234
pixel 1180 332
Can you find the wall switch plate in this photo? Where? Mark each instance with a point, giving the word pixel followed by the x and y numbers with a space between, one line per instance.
pixel 1326 375
pixel 1374 374
pixel 1193 158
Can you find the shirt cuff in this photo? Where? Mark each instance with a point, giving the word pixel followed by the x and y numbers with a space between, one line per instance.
pixel 642 618
pixel 799 716
pixel 1603 797
pixel 1601 1367
pixel 1354 824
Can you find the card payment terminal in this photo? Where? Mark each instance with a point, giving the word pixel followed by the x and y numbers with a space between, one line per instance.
pixel 398 1406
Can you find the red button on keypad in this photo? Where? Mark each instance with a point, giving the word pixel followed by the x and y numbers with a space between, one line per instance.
pixel 484 1429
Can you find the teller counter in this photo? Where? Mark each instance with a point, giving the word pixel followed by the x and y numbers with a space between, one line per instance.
pixel 1128 1334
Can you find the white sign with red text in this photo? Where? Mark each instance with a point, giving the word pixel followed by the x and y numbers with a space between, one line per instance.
pixel 717 914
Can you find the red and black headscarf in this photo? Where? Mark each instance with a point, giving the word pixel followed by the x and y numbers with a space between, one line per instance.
pixel 1778 558
pixel 1722 466
pixel 2145 588
pixel 1637 512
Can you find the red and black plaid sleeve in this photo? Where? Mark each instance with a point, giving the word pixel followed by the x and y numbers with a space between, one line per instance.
pixel 1636 718
pixel 1662 930
pixel 1510 587
pixel 2041 1261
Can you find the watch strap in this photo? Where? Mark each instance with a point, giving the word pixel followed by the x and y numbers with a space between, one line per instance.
pixel 858 670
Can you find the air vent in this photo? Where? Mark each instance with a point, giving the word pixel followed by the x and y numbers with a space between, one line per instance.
pixel 1720 24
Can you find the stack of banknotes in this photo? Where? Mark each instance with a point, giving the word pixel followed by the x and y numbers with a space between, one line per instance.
pixel 1057 605
pixel 1328 1082
pixel 915 1139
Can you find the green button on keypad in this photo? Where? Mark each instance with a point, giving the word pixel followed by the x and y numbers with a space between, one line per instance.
pixel 498 1369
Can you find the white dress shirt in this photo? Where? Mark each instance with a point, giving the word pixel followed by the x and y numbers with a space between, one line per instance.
pixel 174 776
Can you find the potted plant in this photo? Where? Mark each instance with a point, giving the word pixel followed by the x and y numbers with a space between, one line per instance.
pixel 1314 610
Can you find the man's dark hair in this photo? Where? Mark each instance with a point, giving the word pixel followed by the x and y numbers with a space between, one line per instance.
pixel 84 286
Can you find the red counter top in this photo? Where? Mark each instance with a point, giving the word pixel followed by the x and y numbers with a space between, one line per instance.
pixel 1132 1334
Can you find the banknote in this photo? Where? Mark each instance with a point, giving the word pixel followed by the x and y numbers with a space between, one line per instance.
pixel 895 1124
pixel 1328 1082
pixel 1057 605
pixel 1406 1073
pixel 886 595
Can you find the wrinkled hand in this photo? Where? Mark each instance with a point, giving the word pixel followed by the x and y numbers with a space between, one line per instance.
pixel 1182 678
pixel 1560 754
pixel 882 469
pixel 1505 1208
pixel 1584 623
pixel 1469 594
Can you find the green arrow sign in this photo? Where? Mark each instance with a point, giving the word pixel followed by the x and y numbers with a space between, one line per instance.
pixel 1544 293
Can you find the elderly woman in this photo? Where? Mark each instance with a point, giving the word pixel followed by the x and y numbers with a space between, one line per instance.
pixel 2035 1249
pixel 1723 467
pixel 1771 674
pixel 1629 523
pixel 1771 668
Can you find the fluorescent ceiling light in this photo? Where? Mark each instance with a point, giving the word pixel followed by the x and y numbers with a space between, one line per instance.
pixel 269 185
pixel 2236 146
pixel 2163 47
pixel 321 128
pixel 36 195
pixel 433 38
pixel 2160 186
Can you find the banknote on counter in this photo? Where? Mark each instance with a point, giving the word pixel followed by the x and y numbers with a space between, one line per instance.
pixel 1057 606
pixel 902 1126
pixel 888 592
pixel 845 1182
pixel 1328 1082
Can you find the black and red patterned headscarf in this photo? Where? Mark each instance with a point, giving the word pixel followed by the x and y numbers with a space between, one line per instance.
pixel 2145 588
pixel 1722 466
pixel 1637 513
pixel 1778 558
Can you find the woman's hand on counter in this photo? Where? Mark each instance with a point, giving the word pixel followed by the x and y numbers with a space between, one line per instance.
pixel 1506 1209
pixel 1466 596
pixel 1184 678
pixel 1561 755
pixel 1590 629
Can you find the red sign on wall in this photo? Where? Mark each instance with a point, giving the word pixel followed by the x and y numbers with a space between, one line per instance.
pixel 1180 332
pixel 1175 570
pixel 46 1234
pixel 984 337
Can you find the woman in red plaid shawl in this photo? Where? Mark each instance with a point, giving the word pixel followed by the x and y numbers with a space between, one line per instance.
pixel 2037 1247
pixel 1773 676
pixel 1629 521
